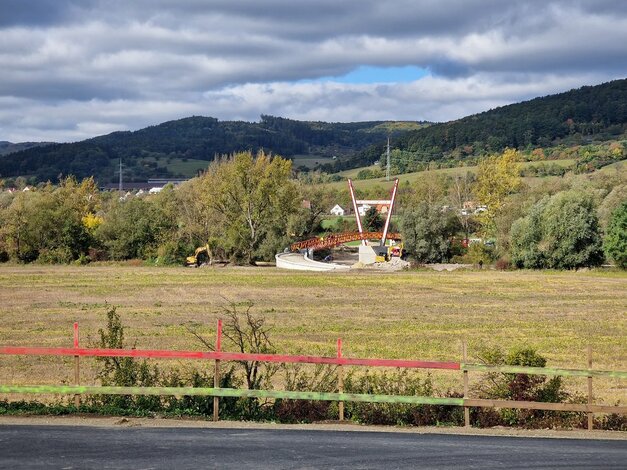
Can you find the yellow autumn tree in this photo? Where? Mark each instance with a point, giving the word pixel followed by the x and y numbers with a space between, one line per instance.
pixel 91 222
pixel 498 176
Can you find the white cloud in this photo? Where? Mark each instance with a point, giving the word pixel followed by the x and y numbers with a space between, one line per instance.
pixel 148 60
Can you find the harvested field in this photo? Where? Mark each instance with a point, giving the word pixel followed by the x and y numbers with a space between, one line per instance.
pixel 419 314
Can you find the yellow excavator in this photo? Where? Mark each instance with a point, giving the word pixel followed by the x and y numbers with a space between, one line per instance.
pixel 387 252
pixel 200 255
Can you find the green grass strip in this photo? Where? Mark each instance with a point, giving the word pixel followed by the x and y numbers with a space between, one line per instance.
pixel 544 371
pixel 228 392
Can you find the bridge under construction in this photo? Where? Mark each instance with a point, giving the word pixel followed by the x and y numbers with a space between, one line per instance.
pixel 368 254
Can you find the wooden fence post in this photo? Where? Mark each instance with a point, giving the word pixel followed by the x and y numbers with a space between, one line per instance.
pixel 216 374
pixel 590 414
pixel 466 408
pixel 77 368
pixel 340 379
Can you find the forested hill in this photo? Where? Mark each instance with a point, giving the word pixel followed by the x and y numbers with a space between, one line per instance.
pixel 178 148
pixel 165 149
pixel 570 118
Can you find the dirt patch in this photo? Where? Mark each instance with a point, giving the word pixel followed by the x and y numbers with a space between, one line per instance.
pixel 447 266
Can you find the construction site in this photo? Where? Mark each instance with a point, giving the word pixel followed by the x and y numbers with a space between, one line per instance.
pixel 377 250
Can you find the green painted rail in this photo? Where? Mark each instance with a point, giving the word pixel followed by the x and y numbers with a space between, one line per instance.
pixel 544 371
pixel 318 396
pixel 228 392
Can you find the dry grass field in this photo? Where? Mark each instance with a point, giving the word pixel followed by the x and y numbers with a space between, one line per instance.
pixel 419 314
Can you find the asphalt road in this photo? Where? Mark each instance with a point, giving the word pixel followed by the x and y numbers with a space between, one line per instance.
pixel 80 447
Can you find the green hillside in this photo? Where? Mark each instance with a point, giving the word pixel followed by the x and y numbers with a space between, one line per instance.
pixel 180 148
pixel 586 115
pixel 410 178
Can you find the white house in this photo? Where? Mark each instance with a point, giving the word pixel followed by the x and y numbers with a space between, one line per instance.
pixel 363 209
pixel 338 210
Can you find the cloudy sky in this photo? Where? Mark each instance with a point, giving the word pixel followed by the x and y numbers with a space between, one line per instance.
pixel 73 69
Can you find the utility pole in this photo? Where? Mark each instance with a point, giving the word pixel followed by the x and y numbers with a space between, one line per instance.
pixel 387 167
pixel 120 183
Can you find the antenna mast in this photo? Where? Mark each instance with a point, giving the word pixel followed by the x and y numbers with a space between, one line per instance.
pixel 387 168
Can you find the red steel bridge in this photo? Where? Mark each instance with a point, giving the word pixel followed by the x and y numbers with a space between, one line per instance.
pixel 340 238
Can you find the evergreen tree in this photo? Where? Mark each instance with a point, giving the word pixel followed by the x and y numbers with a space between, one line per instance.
pixel 373 222
pixel 615 242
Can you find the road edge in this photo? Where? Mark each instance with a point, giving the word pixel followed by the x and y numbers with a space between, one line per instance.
pixel 131 422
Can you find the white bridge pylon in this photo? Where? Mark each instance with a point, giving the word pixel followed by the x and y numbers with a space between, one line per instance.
pixel 374 202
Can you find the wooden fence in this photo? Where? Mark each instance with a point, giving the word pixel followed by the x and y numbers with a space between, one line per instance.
pixel 339 360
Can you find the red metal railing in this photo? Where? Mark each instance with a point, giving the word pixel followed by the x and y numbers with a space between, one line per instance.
pixel 337 239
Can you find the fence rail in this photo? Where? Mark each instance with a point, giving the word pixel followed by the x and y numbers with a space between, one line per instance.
pixel 218 355
pixel 316 396
pixel 225 356
pixel 285 358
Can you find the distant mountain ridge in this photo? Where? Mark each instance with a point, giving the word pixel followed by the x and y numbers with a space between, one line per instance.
pixel 10 147
pixel 157 151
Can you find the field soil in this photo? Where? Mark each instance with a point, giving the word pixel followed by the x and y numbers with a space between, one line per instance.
pixel 418 315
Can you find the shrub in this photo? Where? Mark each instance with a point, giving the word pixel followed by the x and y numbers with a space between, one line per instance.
pixel 128 372
pixel 61 255
pixel 400 382
pixel 322 379
pixel 479 254
pixel 615 242
pixel 612 422
pixel 523 387
pixel 172 252
pixel 503 264
pixel 124 371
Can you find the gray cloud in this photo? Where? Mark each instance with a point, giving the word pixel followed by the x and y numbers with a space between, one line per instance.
pixel 73 69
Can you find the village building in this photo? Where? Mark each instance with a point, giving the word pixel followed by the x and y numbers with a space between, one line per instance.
pixel 338 210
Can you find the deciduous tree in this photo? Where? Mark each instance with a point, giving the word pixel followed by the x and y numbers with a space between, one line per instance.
pixel 426 232
pixel 561 233
pixel 497 177
pixel 253 198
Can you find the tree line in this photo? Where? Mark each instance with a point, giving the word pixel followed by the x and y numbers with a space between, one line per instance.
pixel 562 223
pixel 248 207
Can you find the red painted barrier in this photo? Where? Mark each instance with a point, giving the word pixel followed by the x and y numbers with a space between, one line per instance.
pixel 224 356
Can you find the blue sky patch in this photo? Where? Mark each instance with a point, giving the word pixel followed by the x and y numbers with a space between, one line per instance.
pixel 368 74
